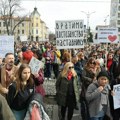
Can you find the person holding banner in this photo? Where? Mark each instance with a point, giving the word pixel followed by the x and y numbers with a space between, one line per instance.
pixel 37 77
pixel 115 111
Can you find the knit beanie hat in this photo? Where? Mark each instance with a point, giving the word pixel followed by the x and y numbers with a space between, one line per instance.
pixel 103 74
pixel 27 55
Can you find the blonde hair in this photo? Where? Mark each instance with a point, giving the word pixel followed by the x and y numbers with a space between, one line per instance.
pixel 66 68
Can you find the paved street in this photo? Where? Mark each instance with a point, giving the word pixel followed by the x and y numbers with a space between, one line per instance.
pixel 50 103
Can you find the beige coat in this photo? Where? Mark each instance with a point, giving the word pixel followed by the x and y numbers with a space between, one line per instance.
pixel 3 82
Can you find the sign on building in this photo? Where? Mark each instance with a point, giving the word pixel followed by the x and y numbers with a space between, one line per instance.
pixel 69 34
pixel 6 45
pixel 108 35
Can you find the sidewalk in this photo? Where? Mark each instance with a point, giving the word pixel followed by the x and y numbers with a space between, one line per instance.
pixel 50 103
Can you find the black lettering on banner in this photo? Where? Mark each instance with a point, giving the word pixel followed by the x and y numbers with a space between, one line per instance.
pixel 69 25
pixel 57 26
pixel 70 42
pixel 117 88
pixel 77 25
pixel 73 25
pixel 81 24
pixel 61 25
pixel 66 26
pixel 63 43
pixel 69 34
pixel 80 33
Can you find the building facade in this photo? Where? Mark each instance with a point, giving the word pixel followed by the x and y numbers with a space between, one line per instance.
pixel 115 15
pixel 32 27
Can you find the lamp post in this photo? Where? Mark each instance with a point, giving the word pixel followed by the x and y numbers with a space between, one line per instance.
pixel 88 17
pixel 105 20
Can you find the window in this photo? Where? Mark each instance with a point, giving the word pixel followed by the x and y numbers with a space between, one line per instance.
pixel 3 24
pixel 36 24
pixel 0 24
pixel 118 22
pixel 118 8
pixel 118 29
pixel 0 31
pixel 22 24
pixel 22 31
pixel 36 31
pixel 118 15
pixel 119 1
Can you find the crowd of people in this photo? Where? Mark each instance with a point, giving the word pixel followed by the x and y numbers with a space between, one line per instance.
pixel 86 76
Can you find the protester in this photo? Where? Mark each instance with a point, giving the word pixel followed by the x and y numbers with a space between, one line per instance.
pixel 115 67
pixel 89 74
pixel 67 88
pixel 115 112
pixel 56 61
pixel 20 92
pixel 5 111
pixel 7 73
pixel 39 77
pixel 48 60
pixel 97 97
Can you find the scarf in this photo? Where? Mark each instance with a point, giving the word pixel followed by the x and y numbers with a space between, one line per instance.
pixel 70 75
pixel 109 63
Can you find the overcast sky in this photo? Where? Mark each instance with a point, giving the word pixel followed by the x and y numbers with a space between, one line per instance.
pixel 52 10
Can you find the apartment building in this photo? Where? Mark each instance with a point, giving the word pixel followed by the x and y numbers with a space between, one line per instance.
pixel 33 27
pixel 115 15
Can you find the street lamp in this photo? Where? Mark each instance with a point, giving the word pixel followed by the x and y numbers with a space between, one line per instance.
pixel 105 20
pixel 88 17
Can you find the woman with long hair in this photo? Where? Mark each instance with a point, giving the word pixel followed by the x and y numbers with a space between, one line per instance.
pixel 88 76
pixel 20 92
pixel 67 87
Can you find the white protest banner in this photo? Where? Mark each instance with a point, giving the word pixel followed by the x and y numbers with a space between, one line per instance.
pixel 23 38
pixel 116 96
pixel 108 35
pixel 95 41
pixel 6 45
pixel 35 65
pixel 69 34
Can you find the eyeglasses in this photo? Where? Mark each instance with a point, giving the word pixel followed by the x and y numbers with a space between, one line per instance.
pixel 94 63
pixel 71 67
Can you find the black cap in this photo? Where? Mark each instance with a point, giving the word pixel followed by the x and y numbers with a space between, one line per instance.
pixel 103 74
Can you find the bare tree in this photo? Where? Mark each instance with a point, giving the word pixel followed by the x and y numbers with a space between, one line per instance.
pixel 8 11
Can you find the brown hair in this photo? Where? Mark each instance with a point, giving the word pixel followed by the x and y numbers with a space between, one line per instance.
pixel 19 79
pixel 80 54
